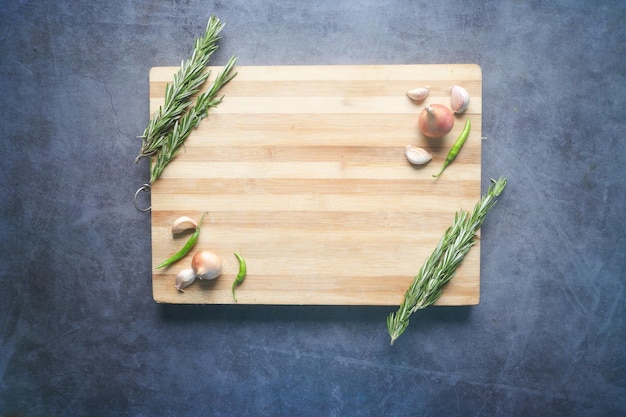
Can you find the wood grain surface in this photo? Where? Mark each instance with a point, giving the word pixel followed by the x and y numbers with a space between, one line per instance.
pixel 302 170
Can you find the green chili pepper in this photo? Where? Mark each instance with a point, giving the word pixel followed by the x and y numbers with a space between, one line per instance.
pixel 456 147
pixel 185 249
pixel 241 275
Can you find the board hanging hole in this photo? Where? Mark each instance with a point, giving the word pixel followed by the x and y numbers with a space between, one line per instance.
pixel 143 188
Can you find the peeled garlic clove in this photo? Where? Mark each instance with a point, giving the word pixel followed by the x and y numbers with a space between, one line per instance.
pixel 185 278
pixel 183 223
pixel 459 99
pixel 418 94
pixel 206 265
pixel 417 156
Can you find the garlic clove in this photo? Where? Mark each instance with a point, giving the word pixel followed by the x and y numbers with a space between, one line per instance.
pixel 459 99
pixel 418 94
pixel 206 265
pixel 183 223
pixel 417 156
pixel 185 278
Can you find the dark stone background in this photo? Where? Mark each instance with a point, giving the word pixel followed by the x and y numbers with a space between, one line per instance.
pixel 81 336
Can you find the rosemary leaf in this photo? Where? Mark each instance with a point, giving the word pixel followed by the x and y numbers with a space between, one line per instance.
pixel 440 266
pixel 190 120
pixel 187 82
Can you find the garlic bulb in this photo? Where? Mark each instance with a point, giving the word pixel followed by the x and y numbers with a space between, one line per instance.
pixel 183 223
pixel 418 94
pixel 206 265
pixel 185 278
pixel 417 156
pixel 459 99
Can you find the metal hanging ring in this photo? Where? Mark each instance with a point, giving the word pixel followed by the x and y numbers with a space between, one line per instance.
pixel 144 188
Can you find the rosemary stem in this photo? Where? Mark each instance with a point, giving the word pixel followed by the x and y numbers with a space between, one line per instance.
pixel 439 268
pixel 187 82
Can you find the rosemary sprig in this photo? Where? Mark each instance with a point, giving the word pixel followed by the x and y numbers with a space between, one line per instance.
pixel 440 266
pixel 187 82
pixel 185 124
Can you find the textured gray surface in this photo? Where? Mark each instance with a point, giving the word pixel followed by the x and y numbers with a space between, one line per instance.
pixel 80 334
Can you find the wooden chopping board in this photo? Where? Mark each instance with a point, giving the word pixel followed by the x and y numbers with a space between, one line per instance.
pixel 302 171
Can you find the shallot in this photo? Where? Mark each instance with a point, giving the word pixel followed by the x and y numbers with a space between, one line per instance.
pixel 435 121
pixel 206 265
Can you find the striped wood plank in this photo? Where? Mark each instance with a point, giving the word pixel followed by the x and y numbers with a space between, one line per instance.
pixel 302 171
